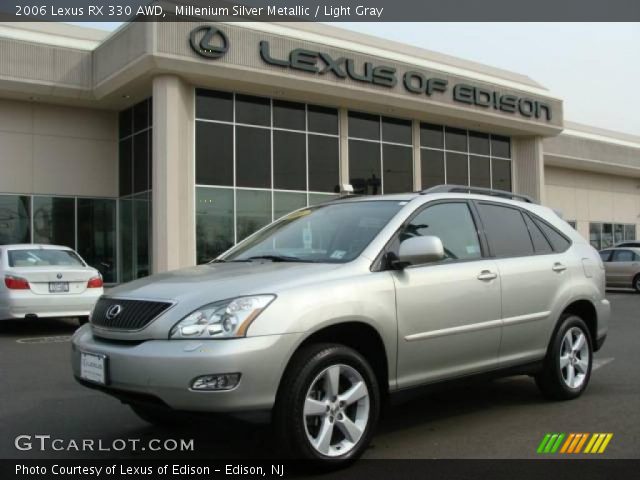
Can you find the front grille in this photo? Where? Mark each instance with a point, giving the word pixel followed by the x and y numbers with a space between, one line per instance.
pixel 134 314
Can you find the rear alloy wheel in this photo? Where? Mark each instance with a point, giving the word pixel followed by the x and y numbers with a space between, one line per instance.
pixel 328 405
pixel 567 366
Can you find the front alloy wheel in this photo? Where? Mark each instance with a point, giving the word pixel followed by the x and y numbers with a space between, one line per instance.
pixel 327 405
pixel 336 410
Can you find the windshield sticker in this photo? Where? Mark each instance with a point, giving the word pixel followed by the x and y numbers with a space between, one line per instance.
pixel 338 254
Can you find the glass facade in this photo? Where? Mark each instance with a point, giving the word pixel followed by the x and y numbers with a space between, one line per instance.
pixel 464 157
pixel 380 154
pixel 87 225
pixel 135 167
pixel 257 159
pixel 605 235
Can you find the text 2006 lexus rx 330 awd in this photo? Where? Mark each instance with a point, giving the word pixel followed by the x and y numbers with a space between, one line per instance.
pixel 320 316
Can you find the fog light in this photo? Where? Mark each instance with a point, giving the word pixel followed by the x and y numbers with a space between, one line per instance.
pixel 218 381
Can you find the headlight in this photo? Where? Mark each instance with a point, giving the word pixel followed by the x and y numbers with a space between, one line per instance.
pixel 224 319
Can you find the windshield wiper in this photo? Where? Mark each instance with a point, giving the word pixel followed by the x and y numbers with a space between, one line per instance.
pixel 273 258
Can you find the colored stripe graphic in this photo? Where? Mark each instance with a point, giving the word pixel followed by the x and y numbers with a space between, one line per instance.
pixel 573 443
pixel 598 442
pixel 550 443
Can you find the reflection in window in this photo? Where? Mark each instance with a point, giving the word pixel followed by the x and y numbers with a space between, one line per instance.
pixel 214 222
pixel 364 167
pixel 54 221
pixel 14 219
pixel 97 235
pixel 253 211
pixel 605 235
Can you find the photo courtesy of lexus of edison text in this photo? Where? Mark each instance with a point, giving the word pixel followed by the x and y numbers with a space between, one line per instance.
pixel 357 239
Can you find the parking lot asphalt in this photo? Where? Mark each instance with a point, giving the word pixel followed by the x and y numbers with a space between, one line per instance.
pixel 504 418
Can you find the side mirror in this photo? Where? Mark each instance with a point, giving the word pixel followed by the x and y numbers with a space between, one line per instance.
pixel 418 250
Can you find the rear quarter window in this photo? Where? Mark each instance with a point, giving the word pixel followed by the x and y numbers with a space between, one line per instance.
pixel 558 241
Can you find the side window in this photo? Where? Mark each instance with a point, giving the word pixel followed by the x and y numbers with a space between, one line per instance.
pixel 540 243
pixel 558 242
pixel 623 256
pixel 605 255
pixel 506 231
pixel 453 224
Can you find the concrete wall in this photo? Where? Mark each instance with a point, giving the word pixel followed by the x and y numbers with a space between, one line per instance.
pixel 57 150
pixel 592 197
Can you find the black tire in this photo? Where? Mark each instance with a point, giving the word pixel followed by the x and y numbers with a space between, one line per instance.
pixel 636 283
pixel 83 320
pixel 289 421
pixel 550 380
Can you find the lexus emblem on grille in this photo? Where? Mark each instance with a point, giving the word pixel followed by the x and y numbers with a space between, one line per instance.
pixel 59 276
pixel 113 311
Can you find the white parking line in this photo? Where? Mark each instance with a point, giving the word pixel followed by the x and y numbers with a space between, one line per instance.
pixel 58 339
pixel 601 362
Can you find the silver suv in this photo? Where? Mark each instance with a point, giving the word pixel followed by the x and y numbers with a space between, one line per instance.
pixel 321 316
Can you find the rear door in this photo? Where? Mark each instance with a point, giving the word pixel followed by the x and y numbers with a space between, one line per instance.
pixel 532 277
pixel 622 267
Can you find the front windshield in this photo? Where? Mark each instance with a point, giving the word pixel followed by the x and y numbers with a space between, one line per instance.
pixel 332 233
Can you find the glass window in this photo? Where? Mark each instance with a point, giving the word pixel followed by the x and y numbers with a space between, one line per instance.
pixel 214 154
pixel 253 110
pixel 253 157
pixel 506 231
pixel 289 160
pixel 540 242
pixel 322 119
pixel 324 161
pixel 623 256
pixel 125 167
pixel 211 105
pixel 54 221
pixel 457 169
pixel 214 222
pixel 125 123
pixel 125 222
pixel 398 168
pixel 141 116
pixel 141 238
pixel 557 240
pixel 479 143
pixel 431 135
pixel 618 233
pixel 595 235
pixel 287 202
pixel 605 255
pixel 500 146
pixel 141 162
pixel 479 171
pixel 455 139
pixel 501 174
pixel 317 198
pixel 43 258
pixel 364 125
pixel 432 167
pixel 629 232
pixel 289 115
pixel 364 167
pixel 253 211
pixel 607 235
pixel 396 130
pixel 331 233
pixel 97 235
pixel 453 224
pixel 572 223
pixel 14 219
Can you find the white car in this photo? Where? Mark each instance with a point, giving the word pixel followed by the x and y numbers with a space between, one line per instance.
pixel 46 281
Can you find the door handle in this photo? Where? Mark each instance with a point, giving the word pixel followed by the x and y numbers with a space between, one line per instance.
pixel 487 275
pixel 558 267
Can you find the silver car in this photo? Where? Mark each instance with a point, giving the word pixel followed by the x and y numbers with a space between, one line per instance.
pixel 39 281
pixel 622 267
pixel 319 317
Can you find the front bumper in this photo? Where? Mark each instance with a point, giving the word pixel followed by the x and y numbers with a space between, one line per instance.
pixel 165 369
pixel 18 304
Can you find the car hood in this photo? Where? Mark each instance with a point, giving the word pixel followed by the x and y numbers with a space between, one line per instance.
pixel 218 281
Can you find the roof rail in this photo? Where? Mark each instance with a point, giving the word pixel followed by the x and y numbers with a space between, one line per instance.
pixel 479 190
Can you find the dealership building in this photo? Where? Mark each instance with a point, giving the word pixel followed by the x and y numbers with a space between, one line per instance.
pixel 160 145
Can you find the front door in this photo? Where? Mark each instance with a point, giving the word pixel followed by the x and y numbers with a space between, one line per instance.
pixel 448 311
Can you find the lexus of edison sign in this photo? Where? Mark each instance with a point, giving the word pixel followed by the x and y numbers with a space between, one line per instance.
pixel 211 42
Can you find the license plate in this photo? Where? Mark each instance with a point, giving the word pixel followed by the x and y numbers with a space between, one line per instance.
pixel 93 368
pixel 58 287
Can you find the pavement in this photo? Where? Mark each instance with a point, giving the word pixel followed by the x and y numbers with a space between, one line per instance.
pixel 505 418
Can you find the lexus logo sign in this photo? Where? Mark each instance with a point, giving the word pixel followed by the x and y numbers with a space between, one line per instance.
pixel 209 42
pixel 113 311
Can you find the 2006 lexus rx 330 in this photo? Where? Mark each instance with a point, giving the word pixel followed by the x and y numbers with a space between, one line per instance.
pixel 321 315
